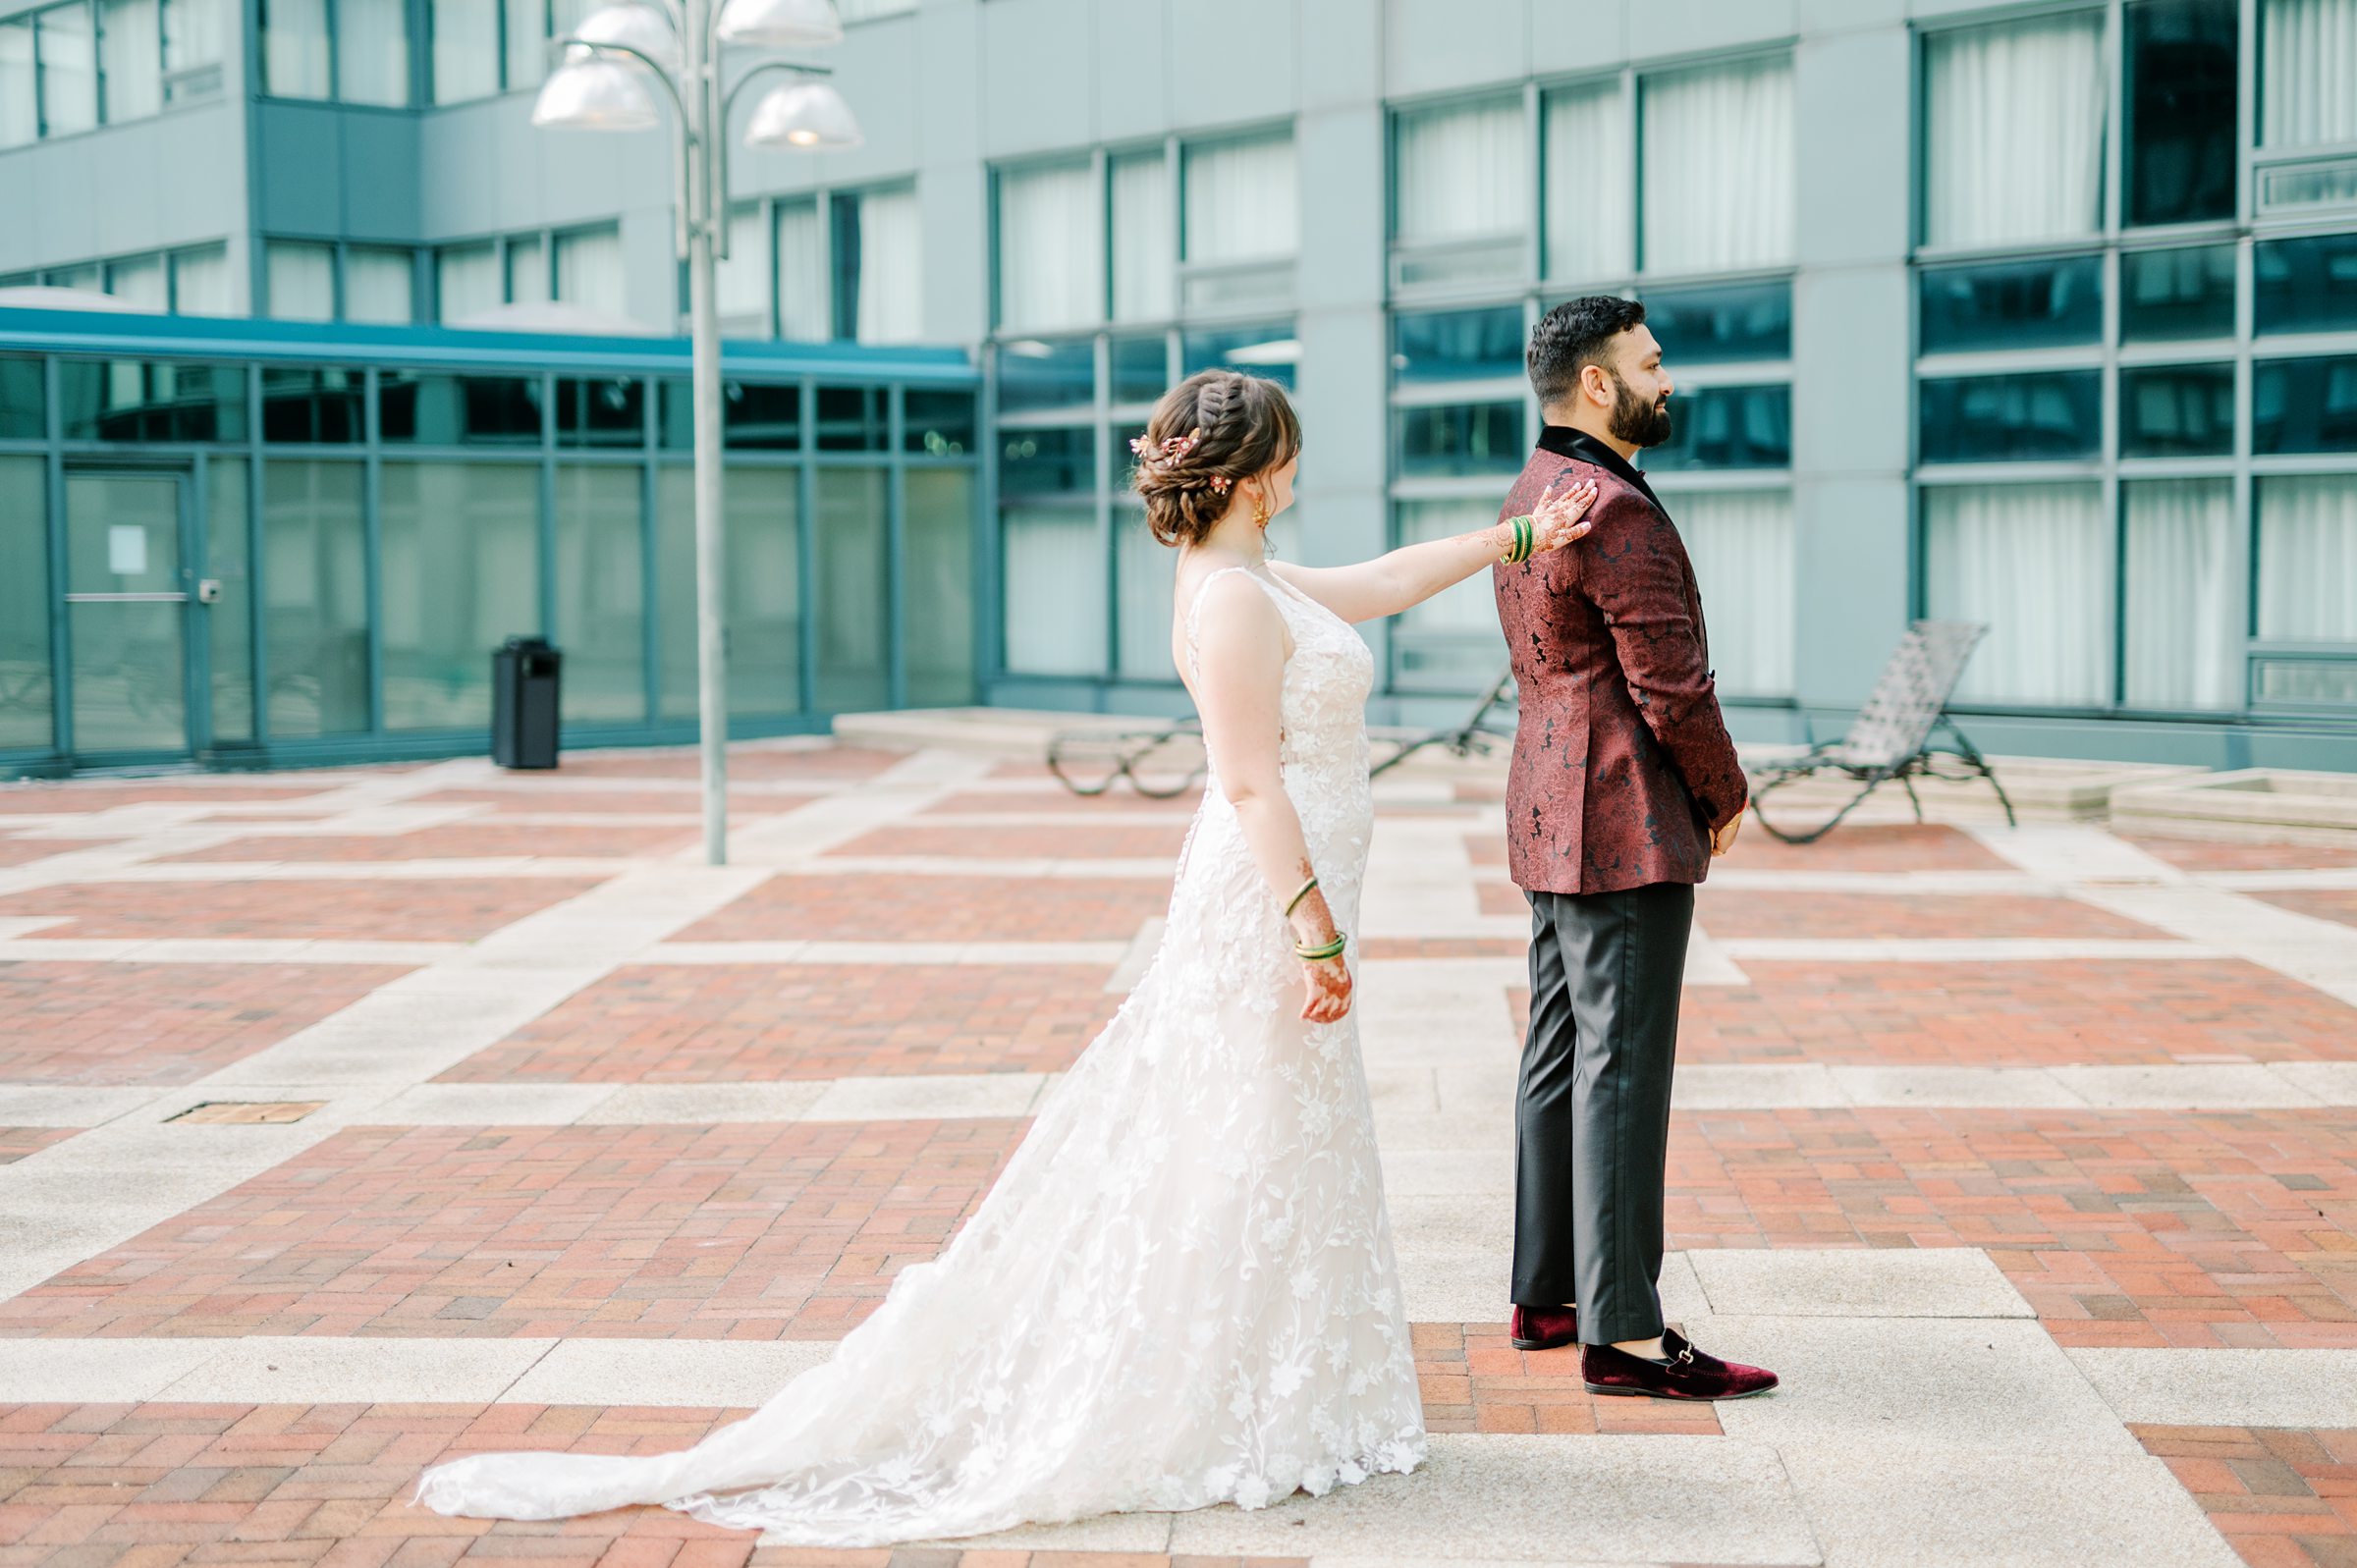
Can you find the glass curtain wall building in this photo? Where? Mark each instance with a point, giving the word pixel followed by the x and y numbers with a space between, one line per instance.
pixel 249 546
pixel 2036 312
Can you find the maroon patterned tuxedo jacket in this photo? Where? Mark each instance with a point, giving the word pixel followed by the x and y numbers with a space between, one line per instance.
pixel 1623 765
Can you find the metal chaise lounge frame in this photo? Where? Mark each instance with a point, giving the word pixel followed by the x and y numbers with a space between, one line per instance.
pixel 1890 737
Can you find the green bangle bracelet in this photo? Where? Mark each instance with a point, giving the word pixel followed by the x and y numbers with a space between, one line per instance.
pixel 1330 950
pixel 1296 902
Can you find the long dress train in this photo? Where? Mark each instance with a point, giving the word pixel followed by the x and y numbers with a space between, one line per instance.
pixel 1181 1292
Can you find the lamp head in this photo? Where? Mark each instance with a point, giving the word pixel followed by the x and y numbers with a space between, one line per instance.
pixel 596 94
pixel 803 117
pixel 781 23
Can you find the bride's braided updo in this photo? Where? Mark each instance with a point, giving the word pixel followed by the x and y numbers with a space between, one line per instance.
pixel 1208 432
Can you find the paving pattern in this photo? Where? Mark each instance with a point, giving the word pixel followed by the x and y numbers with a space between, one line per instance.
pixel 2029 1158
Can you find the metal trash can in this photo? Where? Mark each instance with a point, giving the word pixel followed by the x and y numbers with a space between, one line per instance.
pixel 523 703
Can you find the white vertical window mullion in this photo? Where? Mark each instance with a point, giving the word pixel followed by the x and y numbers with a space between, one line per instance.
pixel 1050 234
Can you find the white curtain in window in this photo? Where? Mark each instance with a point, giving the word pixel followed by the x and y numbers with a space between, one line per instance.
pixel 528 271
pixel 372 51
pixel 465 49
pixel 527 35
pixel 466 282
pixel 131 45
pixel 1054 594
pixel 892 271
pixel 192 31
pixel 804 314
pixel 19 121
pixel 69 69
pixel 2308 54
pixel 1144 568
pixel 2183 650
pixel 1048 245
pixel 1146 242
pixel 1589 208
pixel 1719 168
pixel 2308 558
pixel 294 48
pixel 590 271
pixel 1741 544
pixel 2033 561
pixel 301 279
pixel 743 291
pixel 140 280
pixel 1464 172
pixel 378 286
pixel 1243 200
pixel 200 280
pixel 2014 132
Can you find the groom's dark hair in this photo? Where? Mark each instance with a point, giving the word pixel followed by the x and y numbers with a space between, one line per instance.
pixel 1575 334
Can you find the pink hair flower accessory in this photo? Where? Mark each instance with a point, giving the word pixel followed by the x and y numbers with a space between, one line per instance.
pixel 1173 448
pixel 1220 482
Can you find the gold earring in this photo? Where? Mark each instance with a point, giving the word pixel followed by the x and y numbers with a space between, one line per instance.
pixel 1260 510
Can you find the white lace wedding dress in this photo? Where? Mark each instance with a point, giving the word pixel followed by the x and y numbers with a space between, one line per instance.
pixel 1182 1290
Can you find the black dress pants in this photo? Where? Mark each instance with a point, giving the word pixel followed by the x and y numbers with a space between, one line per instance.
pixel 1592 1114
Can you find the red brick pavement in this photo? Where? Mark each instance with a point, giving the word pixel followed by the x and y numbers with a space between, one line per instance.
pixel 155 1025
pixel 18 1142
pixel 1867 847
pixel 1474 1379
pixel 20 851
pixel 63 797
pixel 421 909
pixel 2143 1228
pixel 1112 803
pixel 456 841
pixel 1062 842
pixel 822 763
pixel 758 1023
pixel 865 909
pixel 678 800
pixel 1747 912
pixel 741 1231
pixel 2282 1496
pixel 2214 854
pixel 2325 903
pixel 2038 1013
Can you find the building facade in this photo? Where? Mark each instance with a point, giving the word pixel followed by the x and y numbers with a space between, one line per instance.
pixel 2038 314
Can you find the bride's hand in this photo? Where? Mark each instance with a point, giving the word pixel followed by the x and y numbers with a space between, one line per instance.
pixel 1328 994
pixel 1561 519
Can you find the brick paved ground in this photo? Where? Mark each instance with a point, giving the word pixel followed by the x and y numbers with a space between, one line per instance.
pixel 456 908
pixel 134 1023
pixel 2122 1227
pixel 747 1231
pixel 2039 1013
pixel 2285 1497
pixel 462 841
pixel 933 908
pixel 2157 1233
pixel 716 1023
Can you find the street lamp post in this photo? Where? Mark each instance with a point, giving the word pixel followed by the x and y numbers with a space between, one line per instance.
pixel 603 86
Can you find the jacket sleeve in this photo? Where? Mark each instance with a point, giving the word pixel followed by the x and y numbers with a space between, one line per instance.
pixel 1631 573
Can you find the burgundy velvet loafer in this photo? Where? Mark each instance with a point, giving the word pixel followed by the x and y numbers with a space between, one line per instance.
pixel 1544 1327
pixel 1685 1373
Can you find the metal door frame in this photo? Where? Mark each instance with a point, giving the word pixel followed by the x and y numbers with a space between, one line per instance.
pixel 195 715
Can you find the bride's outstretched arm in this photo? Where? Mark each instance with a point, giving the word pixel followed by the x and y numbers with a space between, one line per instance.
pixel 1412 573
pixel 1239 678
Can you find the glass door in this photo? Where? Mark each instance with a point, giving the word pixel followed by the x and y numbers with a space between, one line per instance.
pixel 126 613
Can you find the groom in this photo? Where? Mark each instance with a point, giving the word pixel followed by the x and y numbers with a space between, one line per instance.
pixel 1625 785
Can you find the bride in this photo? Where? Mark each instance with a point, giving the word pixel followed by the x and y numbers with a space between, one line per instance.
pixel 1182 1290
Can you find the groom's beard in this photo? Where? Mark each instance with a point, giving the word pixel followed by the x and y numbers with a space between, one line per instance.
pixel 1636 422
